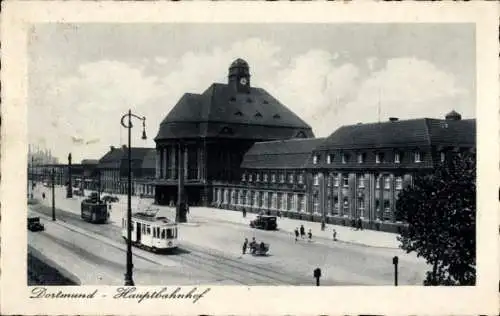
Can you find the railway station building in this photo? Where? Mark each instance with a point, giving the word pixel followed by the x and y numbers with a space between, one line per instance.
pixel 243 149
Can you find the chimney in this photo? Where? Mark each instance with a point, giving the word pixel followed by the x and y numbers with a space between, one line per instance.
pixel 393 119
pixel 111 148
pixel 124 147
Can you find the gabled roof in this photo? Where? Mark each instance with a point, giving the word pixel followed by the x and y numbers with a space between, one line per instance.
pixel 406 133
pixel 282 154
pixel 90 161
pixel 206 114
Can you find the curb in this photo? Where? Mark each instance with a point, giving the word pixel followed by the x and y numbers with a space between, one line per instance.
pixel 64 272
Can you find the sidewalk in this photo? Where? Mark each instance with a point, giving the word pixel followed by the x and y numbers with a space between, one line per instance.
pixel 198 215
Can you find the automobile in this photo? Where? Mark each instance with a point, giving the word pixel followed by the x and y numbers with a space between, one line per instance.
pixel 266 222
pixel 34 224
pixel 110 198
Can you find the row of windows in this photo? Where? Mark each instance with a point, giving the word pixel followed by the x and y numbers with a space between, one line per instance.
pixel 384 212
pixel 157 232
pixel 259 199
pixel 379 157
pixel 264 177
pixel 361 181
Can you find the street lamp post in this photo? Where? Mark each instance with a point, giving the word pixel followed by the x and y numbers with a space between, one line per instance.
pixel 69 192
pixel 128 125
pixel 53 178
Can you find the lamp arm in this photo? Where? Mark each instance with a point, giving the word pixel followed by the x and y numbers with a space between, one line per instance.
pixel 143 119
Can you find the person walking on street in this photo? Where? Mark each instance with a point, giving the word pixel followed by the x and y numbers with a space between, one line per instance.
pixel 360 224
pixel 43 195
pixel 309 234
pixel 296 234
pixel 334 235
pixel 245 245
pixel 302 231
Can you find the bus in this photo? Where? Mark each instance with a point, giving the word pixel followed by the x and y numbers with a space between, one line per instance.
pixel 151 232
pixel 94 210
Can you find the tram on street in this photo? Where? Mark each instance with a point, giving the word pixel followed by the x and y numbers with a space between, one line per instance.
pixel 151 232
pixel 94 210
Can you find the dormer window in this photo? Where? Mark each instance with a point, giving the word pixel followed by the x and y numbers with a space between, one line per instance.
pixel 315 159
pixel 257 177
pixel 273 178
pixel 329 158
pixel 361 158
pixel 249 100
pixel 243 177
pixel 344 158
pixel 282 178
pixel 397 157
pixel 258 115
pixel 265 177
pixel 265 102
pixel 238 113
pixel 232 99
pixel 418 156
pixel 276 116
pixel 250 178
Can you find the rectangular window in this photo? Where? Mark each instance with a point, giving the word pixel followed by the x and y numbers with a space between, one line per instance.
pixel 170 234
pixel 316 179
pixel 344 159
pixel 397 158
pixel 377 182
pixel 282 178
pixel 243 177
pixel 361 181
pixel 265 177
pixel 301 178
pixel 399 183
pixel 418 157
pixel 290 178
pixel 273 178
pixel 336 180
pixel 345 180
pixel 250 178
pixel 329 158
pixel 257 177
pixel 387 183
pixel 443 156
pixel 377 158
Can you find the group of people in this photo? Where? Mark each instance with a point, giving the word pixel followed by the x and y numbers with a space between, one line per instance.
pixel 357 224
pixel 253 246
pixel 302 233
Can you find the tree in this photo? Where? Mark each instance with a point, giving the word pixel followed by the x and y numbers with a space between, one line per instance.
pixel 440 209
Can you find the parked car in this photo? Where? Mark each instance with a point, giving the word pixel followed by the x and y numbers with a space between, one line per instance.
pixel 266 222
pixel 110 198
pixel 34 224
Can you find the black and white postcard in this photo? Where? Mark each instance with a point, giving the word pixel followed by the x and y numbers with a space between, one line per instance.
pixel 249 158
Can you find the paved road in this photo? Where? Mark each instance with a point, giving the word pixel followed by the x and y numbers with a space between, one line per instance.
pixel 210 252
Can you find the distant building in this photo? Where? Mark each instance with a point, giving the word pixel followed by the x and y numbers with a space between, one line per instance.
pixel 113 167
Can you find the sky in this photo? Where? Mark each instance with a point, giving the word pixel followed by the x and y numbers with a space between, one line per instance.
pixel 83 77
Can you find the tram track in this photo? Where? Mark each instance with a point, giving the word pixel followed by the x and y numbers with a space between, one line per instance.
pixel 212 262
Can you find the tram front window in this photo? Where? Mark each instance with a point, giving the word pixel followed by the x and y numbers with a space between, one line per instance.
pixel 162 234
pixel 170 234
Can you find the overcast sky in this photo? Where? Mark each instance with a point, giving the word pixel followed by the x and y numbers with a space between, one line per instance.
pixel 83 77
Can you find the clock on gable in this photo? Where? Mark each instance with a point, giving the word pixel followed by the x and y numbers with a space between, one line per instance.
pixel 243 81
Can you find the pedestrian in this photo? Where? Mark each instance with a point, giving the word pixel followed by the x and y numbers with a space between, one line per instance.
pixel 334 235
pixel 245 245
pixel 353 224
pixel 244 212
pixel 360 224
pixel 296 234
pixel 302 231
pixel 279 214
pixel 43 195
pixel 309 234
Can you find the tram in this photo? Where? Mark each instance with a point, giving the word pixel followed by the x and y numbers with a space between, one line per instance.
pixel 94 210
pixel 151 232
